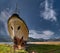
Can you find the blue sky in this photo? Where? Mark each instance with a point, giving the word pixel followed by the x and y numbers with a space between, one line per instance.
pixel 41 16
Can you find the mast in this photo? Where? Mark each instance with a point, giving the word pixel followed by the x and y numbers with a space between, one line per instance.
pixel 16 8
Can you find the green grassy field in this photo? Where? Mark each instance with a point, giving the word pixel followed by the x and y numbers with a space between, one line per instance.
pixel 45 48
pixel 4 48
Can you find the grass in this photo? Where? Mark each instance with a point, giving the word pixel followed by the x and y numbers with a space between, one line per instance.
pixel 4 48
pixel 45 48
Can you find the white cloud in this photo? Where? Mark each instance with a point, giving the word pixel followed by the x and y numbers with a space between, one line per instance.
pixel 48 13
pixel 48 32
pixel 43 34
pixel 4 15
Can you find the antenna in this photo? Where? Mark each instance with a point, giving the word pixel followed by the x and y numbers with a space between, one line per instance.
pixel 16 7
pixel 16 10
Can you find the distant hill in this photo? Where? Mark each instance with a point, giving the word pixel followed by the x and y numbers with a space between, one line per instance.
pixel 35 40
pixel 42 40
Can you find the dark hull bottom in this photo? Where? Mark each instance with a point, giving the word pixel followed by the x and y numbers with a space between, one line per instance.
pixel 19 43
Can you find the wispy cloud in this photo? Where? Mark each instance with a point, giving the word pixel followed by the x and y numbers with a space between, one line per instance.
pixel 4 16
pixel 47 12
pixel 43 34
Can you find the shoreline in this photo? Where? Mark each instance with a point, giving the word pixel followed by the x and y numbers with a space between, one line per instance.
pixel 49 43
